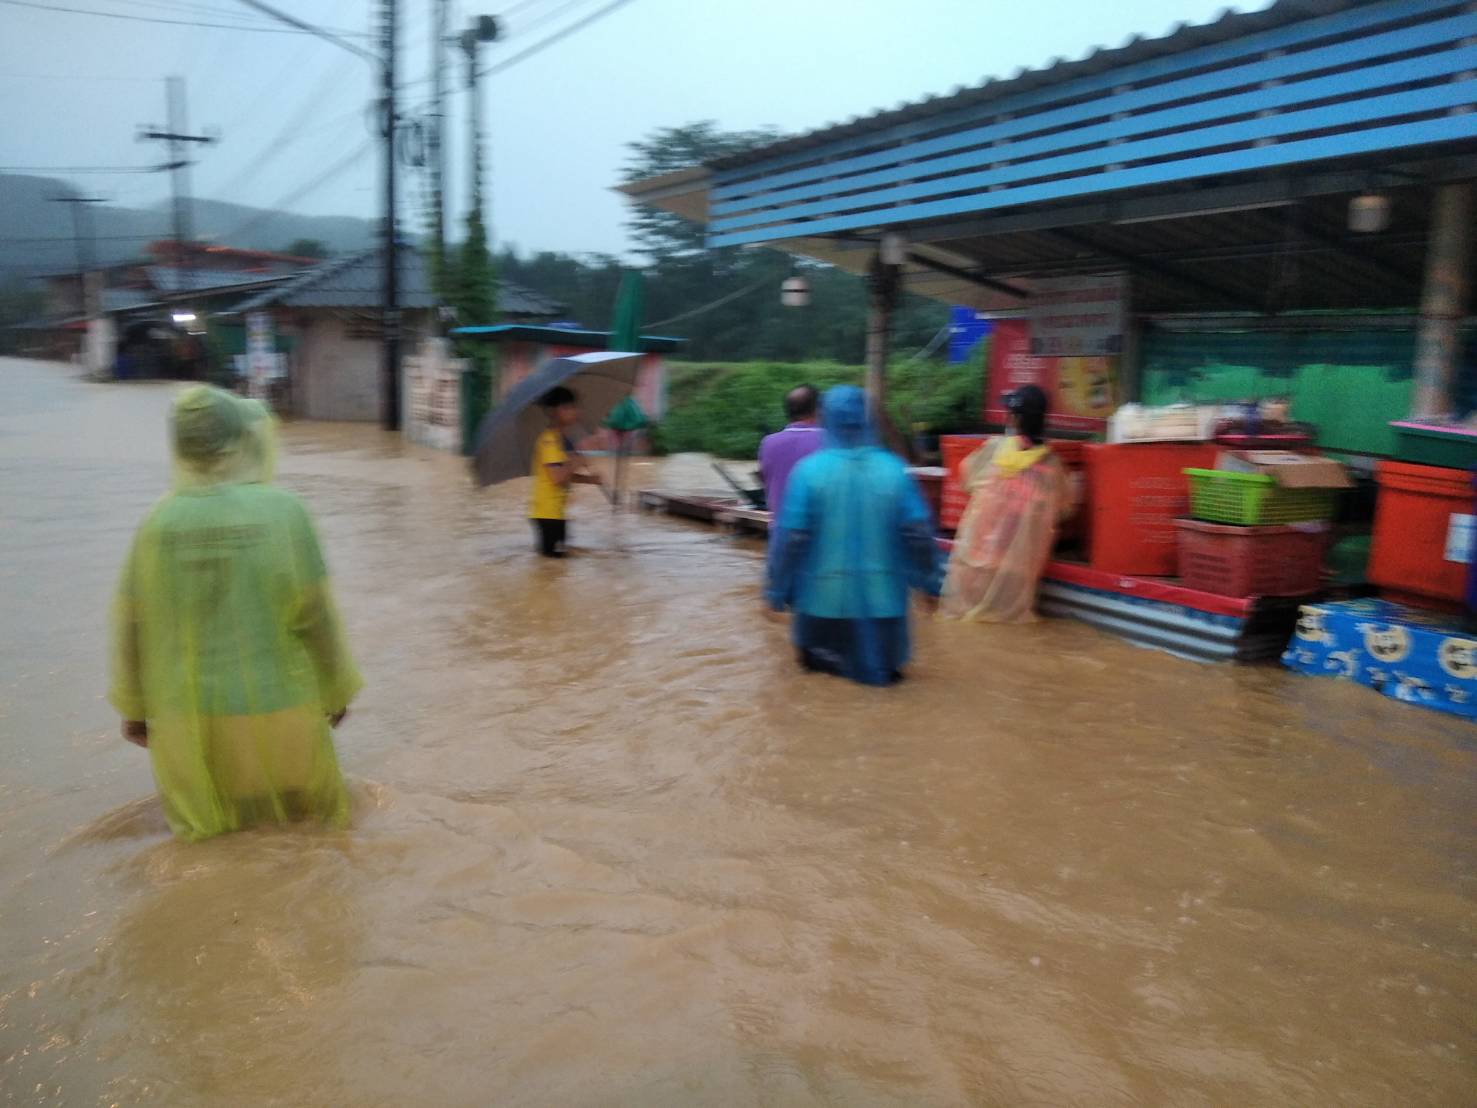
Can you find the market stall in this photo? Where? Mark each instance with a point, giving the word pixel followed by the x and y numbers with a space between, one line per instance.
pixel 1257 229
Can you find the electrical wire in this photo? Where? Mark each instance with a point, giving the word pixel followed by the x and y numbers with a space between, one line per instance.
pixel 557 36
pixel 516 8
pixel 74 77
pixel 767 279
pixel 275 211
pixel 290 133
pixel 72 238
pixel 80 168
pixel 261 27
pixel 312 29
pixel 549 16
pixel 189 7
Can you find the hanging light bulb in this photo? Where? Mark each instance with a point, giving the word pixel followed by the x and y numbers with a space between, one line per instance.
pixel 795 292
pixel 1369 213
pixel 894 249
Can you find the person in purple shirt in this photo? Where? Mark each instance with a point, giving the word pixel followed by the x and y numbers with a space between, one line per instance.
pixel 782 451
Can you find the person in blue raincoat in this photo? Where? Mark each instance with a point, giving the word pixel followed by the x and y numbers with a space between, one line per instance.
pixel 854 537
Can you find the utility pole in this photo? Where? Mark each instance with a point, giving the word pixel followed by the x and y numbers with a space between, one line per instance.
pixel 175 136
pixel 82 235
pixel 483 29
pixel 390 305
pixel 437 157
pixel 1444 302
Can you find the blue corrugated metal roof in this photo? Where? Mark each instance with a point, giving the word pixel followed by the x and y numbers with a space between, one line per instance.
pixel 1333 87
pixel 1185 36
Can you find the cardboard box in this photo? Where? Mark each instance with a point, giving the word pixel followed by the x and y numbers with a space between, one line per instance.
pixel 1291 471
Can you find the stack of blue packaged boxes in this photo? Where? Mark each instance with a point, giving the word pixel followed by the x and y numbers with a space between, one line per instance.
pixel 1418 657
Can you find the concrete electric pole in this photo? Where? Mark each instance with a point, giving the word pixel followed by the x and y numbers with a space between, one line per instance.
pixel 176 136
pixel 390 301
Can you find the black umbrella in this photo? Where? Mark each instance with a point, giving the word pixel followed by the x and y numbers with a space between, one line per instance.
pixel 504 444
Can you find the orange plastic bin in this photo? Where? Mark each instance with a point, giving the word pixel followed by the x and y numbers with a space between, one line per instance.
pixel 954 449
pixel 1422 528
pixel 1135 492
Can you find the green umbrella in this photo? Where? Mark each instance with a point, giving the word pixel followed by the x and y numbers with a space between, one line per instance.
pixel 625 335
pixel 625 328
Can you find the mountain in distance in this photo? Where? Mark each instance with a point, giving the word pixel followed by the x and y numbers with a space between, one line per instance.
pixel 36 234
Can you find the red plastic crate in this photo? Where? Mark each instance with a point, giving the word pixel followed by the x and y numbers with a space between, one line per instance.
pixel 1229 560
pixel 953 449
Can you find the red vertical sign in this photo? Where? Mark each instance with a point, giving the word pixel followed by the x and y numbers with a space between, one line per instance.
pixel 1082 390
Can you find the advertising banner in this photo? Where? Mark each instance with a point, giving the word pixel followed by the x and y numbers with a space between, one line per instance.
pixel 1079 317
pixel 263 364
pixel 1083 390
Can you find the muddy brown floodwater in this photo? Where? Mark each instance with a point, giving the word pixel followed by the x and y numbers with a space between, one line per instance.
pixel 612 848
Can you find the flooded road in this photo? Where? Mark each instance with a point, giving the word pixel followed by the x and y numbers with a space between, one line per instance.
pixel 611 847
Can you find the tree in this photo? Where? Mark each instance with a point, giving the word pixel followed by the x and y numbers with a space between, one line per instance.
pixel 724 303
pixel 474 296
pixel 308 248
pixel 662 235
pixel 20 302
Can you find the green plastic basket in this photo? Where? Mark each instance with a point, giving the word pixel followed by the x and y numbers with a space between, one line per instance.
pixel 1253 499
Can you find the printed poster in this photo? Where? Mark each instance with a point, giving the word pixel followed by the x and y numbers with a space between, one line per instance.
pixel 1083 390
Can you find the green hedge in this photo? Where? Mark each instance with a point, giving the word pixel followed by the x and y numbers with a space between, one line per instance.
pixel 725 408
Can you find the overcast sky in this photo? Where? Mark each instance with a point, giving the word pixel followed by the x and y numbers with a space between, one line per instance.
pixel 289 107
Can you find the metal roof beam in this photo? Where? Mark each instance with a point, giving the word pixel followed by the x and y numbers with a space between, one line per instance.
pixel 1188 202
pixel 1158 269
pixel 1362 253
pixel 969 275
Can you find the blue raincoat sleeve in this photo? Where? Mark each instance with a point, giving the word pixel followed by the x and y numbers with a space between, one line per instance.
pixel 925 562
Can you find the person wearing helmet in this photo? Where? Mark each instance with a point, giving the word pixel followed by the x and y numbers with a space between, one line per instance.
pixel 1018 494
pixel 228 659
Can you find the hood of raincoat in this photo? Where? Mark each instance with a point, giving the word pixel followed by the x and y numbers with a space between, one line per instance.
pixel 208 429
pixel 844 418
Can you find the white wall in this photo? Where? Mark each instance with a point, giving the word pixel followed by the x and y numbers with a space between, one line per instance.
pixel 336 376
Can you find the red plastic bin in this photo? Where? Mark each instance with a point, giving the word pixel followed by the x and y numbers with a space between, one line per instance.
pixel 1135 491
pixel 954 449
pixel 1230 560
pixel 1412 527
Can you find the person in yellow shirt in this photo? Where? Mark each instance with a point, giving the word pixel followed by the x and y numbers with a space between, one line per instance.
pixel 556 465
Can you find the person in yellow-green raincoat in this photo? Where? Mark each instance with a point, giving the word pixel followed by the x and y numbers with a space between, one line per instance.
pixel 1018 495
pixel 228 659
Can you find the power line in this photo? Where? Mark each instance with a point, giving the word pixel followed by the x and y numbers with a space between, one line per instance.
pixel 536 47
pixel 550 16
pixel 557 36
pixel 309 28
pixel 197 10
pixel 74 77
pixel 79 168
pixel 262 27
pixel 767 279
pixel 275 210
pixel 188 7
pixel 291 131
pixel 516 8
pixel 97 238
pixel 273 87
